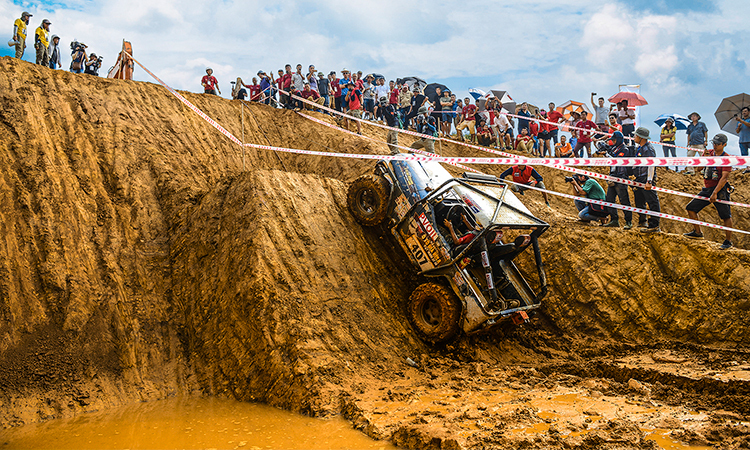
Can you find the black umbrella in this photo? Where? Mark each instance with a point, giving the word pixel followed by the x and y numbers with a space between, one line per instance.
pixel 429 91
pixel 377 76
pixel 411 81
pixel 728 108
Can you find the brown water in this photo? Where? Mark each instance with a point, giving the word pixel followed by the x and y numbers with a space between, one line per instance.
pixel 191 423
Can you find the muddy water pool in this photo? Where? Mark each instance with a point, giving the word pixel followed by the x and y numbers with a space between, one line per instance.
pixel 190 422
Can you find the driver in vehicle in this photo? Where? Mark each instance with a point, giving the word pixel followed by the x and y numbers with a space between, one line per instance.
pixel 466 238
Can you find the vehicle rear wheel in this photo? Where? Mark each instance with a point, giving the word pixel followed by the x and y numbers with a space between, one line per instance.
pixel 368 199
pixel 434 311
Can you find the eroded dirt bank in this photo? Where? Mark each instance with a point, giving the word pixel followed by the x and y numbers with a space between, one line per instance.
pixel 139 261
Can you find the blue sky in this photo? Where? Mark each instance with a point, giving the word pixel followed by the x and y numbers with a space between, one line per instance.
pixel 686 55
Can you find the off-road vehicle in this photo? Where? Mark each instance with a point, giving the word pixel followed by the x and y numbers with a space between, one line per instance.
pixel 479 284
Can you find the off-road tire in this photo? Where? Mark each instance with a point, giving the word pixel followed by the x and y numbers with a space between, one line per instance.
pixel 368 199
pixel 434 312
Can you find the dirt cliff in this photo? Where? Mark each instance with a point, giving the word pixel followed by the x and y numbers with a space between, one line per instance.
pixel 144 255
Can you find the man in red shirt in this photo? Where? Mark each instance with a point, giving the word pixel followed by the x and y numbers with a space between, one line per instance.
pixel 210 83
pixel 254 90
pixel 716 182
pixel 393 95
pixel 309 94
pixel 468 115
pixel 522 175
pixel 336 88
pixel 286 85
pixel 354 100
pixel 584 137
pixel 554 116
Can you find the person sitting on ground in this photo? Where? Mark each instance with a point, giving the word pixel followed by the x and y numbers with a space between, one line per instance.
pixel 618 190
pixel 584 137
pixel 353 101
pixel 484 134
pixel 584 186
pixel 388 112
pixel 524 142
pixel 309 94
pixel 563 149
pixel 426 124
pixel 522 176
pixel 468 114
pixel 238 90
pixel 716 187
pixel 93 65
pixel 210 83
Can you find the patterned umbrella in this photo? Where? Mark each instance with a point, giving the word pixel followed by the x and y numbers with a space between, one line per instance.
pixel 570 106
pixel 728 109
pixel 681 122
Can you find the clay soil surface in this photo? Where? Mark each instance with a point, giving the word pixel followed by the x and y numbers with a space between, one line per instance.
pixel 145 256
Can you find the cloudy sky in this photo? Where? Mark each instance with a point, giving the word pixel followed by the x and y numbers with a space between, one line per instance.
pixel 686 54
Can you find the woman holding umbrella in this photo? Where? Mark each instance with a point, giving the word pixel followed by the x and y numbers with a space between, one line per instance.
pixel 667 138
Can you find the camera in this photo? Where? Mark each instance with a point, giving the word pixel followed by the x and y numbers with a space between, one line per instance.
pixel 568 179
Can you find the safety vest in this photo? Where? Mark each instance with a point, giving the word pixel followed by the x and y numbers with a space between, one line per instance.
pixel 522 176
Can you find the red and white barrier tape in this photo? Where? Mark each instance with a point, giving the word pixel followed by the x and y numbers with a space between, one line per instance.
pixel 414 158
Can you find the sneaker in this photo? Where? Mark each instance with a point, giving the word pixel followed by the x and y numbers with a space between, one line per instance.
pixel 628 226
pixel 725 245
pixel 694 235
pixel 650 230
pixel 746 171
pixel 613 224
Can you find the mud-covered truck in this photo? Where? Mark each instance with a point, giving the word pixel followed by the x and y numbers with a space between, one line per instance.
pixel 426 209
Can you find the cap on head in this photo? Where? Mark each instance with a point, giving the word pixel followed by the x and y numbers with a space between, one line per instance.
pixel 26 14
pixel 383 100
pixel 719 139
pixel 642 132
pixel 321 74
pixel 45 21
pixel 208 68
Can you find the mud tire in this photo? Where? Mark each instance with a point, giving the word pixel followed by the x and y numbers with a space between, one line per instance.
pixel 367 199
pixel 434 311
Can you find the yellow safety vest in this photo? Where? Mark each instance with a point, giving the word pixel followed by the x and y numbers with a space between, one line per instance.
pixel 43 36
pixel 21 25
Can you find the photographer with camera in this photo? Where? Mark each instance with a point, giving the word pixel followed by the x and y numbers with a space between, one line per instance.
pixel 584 186
pixel 617 190
pixel 93 65
pixel 78 56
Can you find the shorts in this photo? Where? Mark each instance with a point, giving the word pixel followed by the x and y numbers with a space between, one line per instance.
pixel 355 113
pixel 369 104
pixel 470 124
pixel 696 204
pixel 544 135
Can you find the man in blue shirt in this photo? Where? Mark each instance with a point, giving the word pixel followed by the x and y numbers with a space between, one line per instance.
pixel 743 129
pixel 697 137
pixel 524 123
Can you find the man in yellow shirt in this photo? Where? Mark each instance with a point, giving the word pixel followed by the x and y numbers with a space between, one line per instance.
pixel 19 33
pixel 41 43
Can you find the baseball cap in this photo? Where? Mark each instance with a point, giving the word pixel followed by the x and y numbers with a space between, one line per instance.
pixel 46 21
pixel 26 14
pixel 720 138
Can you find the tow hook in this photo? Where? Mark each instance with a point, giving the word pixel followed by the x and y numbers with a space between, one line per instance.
pixel 520 317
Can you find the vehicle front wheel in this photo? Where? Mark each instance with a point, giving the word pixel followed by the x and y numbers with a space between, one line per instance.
pixel 368 199
pixel 435 312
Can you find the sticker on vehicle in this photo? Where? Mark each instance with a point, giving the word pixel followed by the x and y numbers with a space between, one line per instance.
pixel 427 226
pixel 418 253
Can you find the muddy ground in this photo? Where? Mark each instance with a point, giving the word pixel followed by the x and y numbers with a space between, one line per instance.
pixel 139 261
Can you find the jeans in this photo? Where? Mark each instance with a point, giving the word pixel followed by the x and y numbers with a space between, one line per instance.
pixel 744 147
pixel 553 135
pixel 619 190
pixel 668 149
pixel 584 212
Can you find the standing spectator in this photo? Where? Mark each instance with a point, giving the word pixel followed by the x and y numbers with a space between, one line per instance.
pixel 572 121
pixel 393 94
pixel 298 79
pixel 544 135
pixel 437 108
pixel 612 125
pixel 389 114
pixel 55 59
pixel 534 132
pixel 523 122
pixel 647 175
pixel 266 86
pixel 697 133
pixel 254 91
pixel 617 190
pixel 458 106
pixel 238 90
pixel 381 90
pixel 716 182
pixel 209 82
pixel 344 83
pixel 446 104
pixel 584 186
pixel 563 149
pixel 324 88
pixel 522 176
pixel 417 101
pixel 554 116
pixel 743 129
pixel 368 96
pixel 358 83
pixel 78 57
pixel 41 43
pixel 524 142
pixel 584 137
pixel 600 113
pixel 311 79
pixel 468 116
pixel 19 33
pixel 667 138
pixel 404 102
pixel 336 88
pixel 425 124
pixel 286 85
pixel 354 104
pixel 627 120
